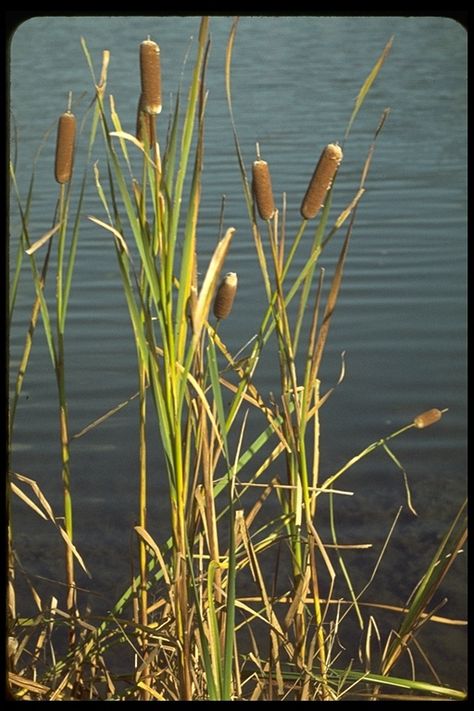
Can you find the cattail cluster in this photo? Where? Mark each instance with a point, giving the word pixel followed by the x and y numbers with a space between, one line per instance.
pixel 225 296
pixel 150 74
pixel 262 189
pixel 321 181
pixel 427 418
pixel 65 147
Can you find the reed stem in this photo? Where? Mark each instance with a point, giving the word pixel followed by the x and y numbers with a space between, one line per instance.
pixel 63 410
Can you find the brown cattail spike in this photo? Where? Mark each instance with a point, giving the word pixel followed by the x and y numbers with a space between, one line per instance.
pixel 225 296
pixel 65 147
pixel 321 181
pixel 427 418
pixel 262 189
pixel 150 73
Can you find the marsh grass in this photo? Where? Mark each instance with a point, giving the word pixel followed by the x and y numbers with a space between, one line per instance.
pixel 202 618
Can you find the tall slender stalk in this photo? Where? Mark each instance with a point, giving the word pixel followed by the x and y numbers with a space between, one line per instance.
pixel 63 410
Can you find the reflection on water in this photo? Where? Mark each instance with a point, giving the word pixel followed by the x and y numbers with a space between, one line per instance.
pixel 401 315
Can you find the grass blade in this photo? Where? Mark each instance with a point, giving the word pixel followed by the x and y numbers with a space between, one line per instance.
pixel 364 90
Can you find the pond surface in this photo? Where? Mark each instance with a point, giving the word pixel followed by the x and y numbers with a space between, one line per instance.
pixel 401 317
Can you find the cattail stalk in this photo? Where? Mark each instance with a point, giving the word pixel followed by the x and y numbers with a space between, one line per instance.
pixel 225 296
pixel 150 74
pixel 427 418
pixel 262 189
pixel 321 181
pixel 143 128
pixel 65 147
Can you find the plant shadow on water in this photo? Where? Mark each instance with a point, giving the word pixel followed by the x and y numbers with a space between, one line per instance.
pixel 251 560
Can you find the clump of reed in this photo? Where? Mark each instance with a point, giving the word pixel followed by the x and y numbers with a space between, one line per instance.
pixel 185 618
pixel 54 317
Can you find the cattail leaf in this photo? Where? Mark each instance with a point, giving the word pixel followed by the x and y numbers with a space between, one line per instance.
pixel 47 508
pixel 104 417
pixel 341 219
pixel 203 637
pixel 243 172
pixel 367 84
pixel 111 229
pixel 187 135
pixel 29 502
pixel 188 273
pixel 100 190
pixel 399 465
pixel 73 550
pixel 15 280
pixel 37 278
pixel 152 692
pixel 202 396
pixel 444 557
pixel 422 687
pixel 208 286
pixel 119 132
pixel 214 641
pixel 145 536
pixel 42 240
pixel 72 255
pixel 217 393
pixel 141 238
pixel 123 135
pixel 345 213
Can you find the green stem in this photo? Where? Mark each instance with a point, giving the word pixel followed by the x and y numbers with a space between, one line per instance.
pixel 63 413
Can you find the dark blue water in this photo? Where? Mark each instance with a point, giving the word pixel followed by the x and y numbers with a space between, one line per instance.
pixel 401 317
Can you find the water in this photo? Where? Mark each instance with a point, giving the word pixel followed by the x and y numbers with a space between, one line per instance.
pixel 401 317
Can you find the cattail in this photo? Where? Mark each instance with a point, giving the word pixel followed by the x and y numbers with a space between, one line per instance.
pixel 427 418
pixel 65 147
pixel 225 296
pixel 150 77
pixel 321 181
pixel 262 189
pixel 143 132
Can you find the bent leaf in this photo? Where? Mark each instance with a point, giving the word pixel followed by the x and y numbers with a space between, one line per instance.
pixel 364 90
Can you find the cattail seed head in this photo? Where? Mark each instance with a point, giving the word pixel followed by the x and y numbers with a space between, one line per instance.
pixel 150 74
pixel 427 418
pixel 65 147
pixel 262 189
pixel 143 132
pixel 321 181
pixel 225 296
